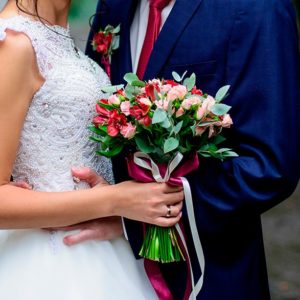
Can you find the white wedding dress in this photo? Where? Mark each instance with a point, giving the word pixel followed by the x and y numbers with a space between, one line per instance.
pixel 35 264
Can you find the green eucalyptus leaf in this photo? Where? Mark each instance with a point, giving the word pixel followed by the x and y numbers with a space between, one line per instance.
pixel 220 109
pixel 115 43
pixel 138 83
pixel 170 144
pixel 178 127
pixel 190 82
pixel 131 77
pixel 166 123
pixel 183 75
pixel 112 88
pixel 116 30
pixel 159 116
pixel 176 76
pixel 222 93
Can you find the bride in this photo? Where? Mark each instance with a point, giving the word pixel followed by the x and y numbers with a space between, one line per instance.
pixel 48 90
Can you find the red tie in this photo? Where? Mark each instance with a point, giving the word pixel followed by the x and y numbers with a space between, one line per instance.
pixel 154 24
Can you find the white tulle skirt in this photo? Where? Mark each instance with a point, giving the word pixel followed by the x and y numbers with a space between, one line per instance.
pixel 36 265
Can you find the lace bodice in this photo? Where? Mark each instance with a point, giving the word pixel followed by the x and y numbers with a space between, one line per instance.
pixel 55 135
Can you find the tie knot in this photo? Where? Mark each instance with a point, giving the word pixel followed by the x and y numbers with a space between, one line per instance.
pixel 159 4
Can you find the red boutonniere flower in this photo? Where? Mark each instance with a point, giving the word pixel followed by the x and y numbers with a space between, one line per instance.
pixel 106 42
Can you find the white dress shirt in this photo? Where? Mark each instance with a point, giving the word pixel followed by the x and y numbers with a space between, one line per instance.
pixel 139 28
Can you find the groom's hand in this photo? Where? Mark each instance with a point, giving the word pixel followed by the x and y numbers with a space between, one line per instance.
pixel 100 229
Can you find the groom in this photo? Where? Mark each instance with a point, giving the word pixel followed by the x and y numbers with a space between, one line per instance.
pixel 252 46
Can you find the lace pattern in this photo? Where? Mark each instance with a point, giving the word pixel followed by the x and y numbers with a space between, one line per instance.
pixel 55 135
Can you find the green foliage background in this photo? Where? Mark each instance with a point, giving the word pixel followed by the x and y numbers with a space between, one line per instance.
pixel 81 10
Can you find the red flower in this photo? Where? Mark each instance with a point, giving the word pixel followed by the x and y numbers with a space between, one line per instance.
pixel 146 121
pixel 102 42
pixel 136 112
pixel 115 123
pixel 99 120
pixel 104 112
pixel 150 90
pixel 195 91
pixel 171 82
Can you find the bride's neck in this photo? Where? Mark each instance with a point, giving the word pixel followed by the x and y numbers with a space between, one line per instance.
pixel 54 12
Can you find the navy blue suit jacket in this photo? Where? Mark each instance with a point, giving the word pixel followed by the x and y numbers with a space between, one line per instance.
pixel 252 46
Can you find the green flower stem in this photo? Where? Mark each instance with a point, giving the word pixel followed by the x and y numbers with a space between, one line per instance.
pixel 161 244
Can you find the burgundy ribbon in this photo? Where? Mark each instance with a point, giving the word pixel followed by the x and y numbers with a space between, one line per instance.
pixel 152 267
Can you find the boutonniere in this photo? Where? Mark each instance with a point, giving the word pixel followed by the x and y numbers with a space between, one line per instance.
pixel 106 42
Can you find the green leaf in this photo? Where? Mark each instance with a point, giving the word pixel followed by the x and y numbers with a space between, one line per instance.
pixel 223 150
pixel 107 106
pixel 166 123
pixel 222 93
pixel 159 116
pixel 143 145
pixel 230 154
pixel 113 152
pixel 131 77
pixel 95 129
pixel 96 139
pixel 220 109
pixel 130 91
pixel 219 139
pixel 115 43
pixel 178 127
pixel 117 29
pixel 176 76
pixel 138 83
pixel 190 82
pixel 112 88
pixel 170 144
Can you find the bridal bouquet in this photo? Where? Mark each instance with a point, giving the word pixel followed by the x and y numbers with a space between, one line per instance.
pixel 168 124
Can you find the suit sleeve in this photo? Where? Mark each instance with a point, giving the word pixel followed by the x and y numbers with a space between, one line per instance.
pixel 263 71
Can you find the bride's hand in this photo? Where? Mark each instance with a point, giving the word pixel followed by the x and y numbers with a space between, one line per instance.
pixel 145 202
pixel 154 203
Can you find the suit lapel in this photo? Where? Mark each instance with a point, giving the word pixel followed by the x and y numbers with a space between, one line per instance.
pixel 178 19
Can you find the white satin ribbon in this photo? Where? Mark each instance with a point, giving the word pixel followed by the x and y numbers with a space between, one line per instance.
pixel 173 164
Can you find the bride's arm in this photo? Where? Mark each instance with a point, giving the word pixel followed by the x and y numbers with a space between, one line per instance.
pixel 21 208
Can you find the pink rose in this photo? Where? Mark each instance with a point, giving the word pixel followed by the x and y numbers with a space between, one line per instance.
pixel 227 121
pixel 177 92
pixel 201 112
pixel 145 101
pixel 165 88
pixel 200 130
pixel 162 104
pixel 208 103
pixel 179 112
pixel 125 108
pixel 114 100
pixel 128 131
pixel 187 103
